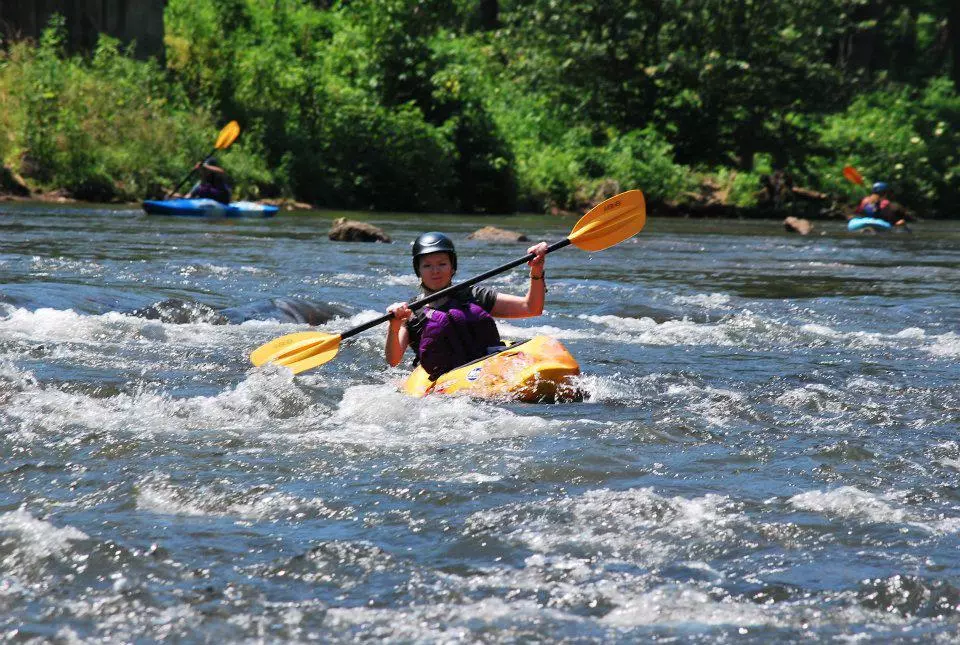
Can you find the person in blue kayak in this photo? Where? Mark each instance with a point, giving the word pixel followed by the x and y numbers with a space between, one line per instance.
pixel 461 327
pixel 213 182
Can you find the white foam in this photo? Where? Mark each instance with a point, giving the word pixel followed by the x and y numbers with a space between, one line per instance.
pixel 750 330
pixel 476 478
pixel 110 329
pixel 606 388
pixel 710 301
pixel 636 525
pixel 719 407
pixel 38 539
pixel 911 332
pixel 44 266
pixel 214 270
pixel 945 345
pixel 15 379
pixel 400 281
pixel 158 495
pixel 516 332
pixel 39 413
pixel 849 502
pixel 383 416
pixel 684 605
pixel 442 622
pixel 819 398
pixel 863 384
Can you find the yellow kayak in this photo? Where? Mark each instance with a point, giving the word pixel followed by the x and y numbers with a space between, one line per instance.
pixel 535 371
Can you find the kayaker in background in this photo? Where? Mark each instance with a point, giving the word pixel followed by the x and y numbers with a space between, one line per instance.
pixel 213 182
pixel 878 204
pixel 458 328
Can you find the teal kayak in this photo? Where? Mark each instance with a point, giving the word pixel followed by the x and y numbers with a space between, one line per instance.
pixel 207 208
pixel 868 223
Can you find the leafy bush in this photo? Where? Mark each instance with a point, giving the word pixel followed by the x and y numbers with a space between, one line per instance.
pixel 480 107
pixel 644 159
pixel 104 128
pixel 367 156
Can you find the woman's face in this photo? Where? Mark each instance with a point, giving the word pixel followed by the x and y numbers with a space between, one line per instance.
pixel 436 270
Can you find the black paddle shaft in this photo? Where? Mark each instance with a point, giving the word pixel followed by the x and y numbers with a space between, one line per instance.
pixel 192 170
pixel 426 300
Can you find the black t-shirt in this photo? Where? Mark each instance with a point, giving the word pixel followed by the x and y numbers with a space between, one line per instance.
pixel 483 296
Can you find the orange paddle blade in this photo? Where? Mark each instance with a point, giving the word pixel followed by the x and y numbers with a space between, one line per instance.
pixel 610 222
pixel 851 174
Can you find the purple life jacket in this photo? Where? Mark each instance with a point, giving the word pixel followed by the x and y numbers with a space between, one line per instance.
pixel 463 333
pixel 205 190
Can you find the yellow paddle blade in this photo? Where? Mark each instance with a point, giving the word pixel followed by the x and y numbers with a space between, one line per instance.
pixel 228 135
pixel 311 357
pixel 610 222
pixel 306 353
pixel 279 346
pixel 851 173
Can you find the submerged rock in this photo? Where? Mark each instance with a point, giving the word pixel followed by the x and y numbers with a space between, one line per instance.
pixel 288 204
pixel 304 312
pixel 494 234
pixel 345 230
pixel 797 225
pixel 181 312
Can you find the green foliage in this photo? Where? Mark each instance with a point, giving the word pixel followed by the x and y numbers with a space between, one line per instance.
pixel 105 128
pixel 645 158
pixel 368 156
pixel 353 107
pixel 714 76
pixel 426 105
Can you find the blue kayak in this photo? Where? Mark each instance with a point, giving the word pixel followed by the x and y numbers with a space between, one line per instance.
pixel 207 208
pixel 868 223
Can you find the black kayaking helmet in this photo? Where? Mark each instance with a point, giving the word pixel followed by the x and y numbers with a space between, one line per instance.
pixel 433 242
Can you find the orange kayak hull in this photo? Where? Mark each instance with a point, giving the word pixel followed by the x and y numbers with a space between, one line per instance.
pixel 539 370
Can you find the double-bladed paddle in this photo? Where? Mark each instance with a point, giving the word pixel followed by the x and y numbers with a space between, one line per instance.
pixel 606 224
pixel 225 139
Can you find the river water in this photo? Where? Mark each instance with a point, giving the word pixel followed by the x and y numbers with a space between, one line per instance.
pixel 769 449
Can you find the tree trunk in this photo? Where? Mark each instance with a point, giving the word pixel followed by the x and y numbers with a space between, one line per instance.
pixel 858 49
pixel 489 15
pixel 953 33
pixel 128 20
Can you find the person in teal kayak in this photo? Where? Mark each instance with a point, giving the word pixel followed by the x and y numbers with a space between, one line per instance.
pixel 213 182
pixel 461 327
pixel 879 205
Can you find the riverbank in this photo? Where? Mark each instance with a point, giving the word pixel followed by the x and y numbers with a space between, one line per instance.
pixel 654 208
pixel 704 204
pixel 62 197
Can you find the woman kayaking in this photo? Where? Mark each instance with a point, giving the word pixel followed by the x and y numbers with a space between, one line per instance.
pixel 213 183
pixel 461 327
